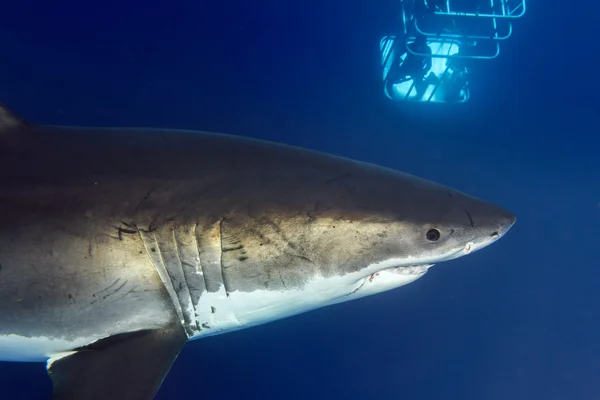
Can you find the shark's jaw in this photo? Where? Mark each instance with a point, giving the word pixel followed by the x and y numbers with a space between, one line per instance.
pixel 239 310
pixel 231 311
pixel 388 279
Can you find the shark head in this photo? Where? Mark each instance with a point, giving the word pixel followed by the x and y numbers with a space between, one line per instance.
pixel 418 226
pixel 323 241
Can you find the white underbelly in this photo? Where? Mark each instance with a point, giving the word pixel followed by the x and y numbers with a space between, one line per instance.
pixel 35 349
pixel 219 312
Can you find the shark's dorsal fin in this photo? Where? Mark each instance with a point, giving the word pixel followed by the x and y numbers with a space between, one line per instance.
pixel 122 367
pixel 9 120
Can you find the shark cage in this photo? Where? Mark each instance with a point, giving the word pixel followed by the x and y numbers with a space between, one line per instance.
pixel 431 56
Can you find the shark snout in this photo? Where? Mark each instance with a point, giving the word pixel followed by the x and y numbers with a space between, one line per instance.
pixel 504 221
pixel 488 223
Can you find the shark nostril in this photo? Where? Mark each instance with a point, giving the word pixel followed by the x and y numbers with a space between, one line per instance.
pixel 495 235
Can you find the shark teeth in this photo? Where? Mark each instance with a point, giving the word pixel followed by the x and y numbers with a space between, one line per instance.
pixel 412 270
pixel 404 270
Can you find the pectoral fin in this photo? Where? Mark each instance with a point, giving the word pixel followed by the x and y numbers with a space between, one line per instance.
pixel 130 366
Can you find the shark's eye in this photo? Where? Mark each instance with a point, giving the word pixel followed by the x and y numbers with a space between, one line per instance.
pixel 432 235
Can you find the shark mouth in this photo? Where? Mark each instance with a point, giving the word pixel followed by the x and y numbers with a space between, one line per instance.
pixel 414 271
pixel 403 270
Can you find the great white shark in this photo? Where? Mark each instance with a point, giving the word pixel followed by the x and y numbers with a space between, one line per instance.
pixel 119 245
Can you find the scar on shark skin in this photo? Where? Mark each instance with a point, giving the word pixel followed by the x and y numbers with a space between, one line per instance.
pixel 470 218
pixel 104 297
pixel 121 231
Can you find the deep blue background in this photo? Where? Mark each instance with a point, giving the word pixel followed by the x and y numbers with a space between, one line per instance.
pixel 519 320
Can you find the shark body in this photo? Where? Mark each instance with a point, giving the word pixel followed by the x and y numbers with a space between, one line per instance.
pixel 117 246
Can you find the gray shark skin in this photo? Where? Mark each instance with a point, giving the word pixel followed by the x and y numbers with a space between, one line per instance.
pixel 117 246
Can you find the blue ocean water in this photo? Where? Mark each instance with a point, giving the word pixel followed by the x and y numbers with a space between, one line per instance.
pixel 518 320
